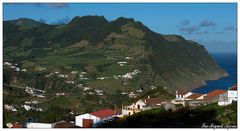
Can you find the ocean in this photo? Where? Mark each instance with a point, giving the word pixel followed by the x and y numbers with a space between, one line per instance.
pixel 228 62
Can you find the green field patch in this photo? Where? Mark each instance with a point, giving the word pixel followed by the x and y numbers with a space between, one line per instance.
pixel 108 85
pixel 60 61
pixel 81 44
pixel 38 52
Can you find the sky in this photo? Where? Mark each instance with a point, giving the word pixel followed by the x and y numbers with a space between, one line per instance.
pixel 213 25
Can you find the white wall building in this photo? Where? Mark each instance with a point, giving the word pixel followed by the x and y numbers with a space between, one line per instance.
pixel 94 118
pixel 79 120
pixel 227 98
pixel 134 108
pixel 40 125
pixel 142 105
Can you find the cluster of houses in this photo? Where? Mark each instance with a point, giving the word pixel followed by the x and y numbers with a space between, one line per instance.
pixel 86 120
pixel 57 74
pixel 190 99
pixel 222 97
pixel 60 124
pixel 130 75
pixel 27 107
pixel 35 92
pixel 10 107
pixel 96 118
pixel 143 104
pixel 14 66
pixel 123 63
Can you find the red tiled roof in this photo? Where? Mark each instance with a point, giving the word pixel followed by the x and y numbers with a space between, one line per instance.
pixel 194 96
pixel 214 93
pixel 17 125
pixel 64 125
pixel 233 88
pixel 182 92
pixel 154 101
pixel 103 113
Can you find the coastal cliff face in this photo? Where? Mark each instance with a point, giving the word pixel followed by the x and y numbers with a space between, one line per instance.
pixel 94 45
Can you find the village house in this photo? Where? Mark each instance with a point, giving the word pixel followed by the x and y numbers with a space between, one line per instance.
pixel 27 107
pixel 182 94
pixel 124 93
pixel 24 70
pixel 86 120
pixel 213 96
pixel 132 95
pixel 128 58
pixel 194 100
pixel 40 125
pixel 180 97
pixel 228 97
pixel 91 93
pixel 83 73
pixel 9 107
pixel 127 76
pixel 74 72
pixel 86 88
pixel 17 125
pixel 122 63
pixel 142 105
pixel 139 91
pixel 7 63
pixel 50 74
pixel 93 119
pixel 17 69
pixel 70 82
pixel 188 98
pixel 178 102
pixel 195 96
pixel 14 125
pixel 13 67
pixel 40 96
pixel 153 87
pixel 60 94
pixel 130 75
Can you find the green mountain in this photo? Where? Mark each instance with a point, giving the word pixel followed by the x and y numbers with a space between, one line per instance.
pixel 95 45
pixel 26 23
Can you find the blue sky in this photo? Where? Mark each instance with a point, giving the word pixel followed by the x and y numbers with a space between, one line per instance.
pixel 211 24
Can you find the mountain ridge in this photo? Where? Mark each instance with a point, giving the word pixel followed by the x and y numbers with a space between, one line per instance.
pixel 164 60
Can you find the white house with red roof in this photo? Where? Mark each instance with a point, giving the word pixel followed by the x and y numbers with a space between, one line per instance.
pixel 196 96
pixel 188 98
pixel 91 119
pixel 183 94
pixel 142 105
pixel 228 97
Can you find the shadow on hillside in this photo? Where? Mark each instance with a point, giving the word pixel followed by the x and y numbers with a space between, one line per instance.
pixel 183 118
